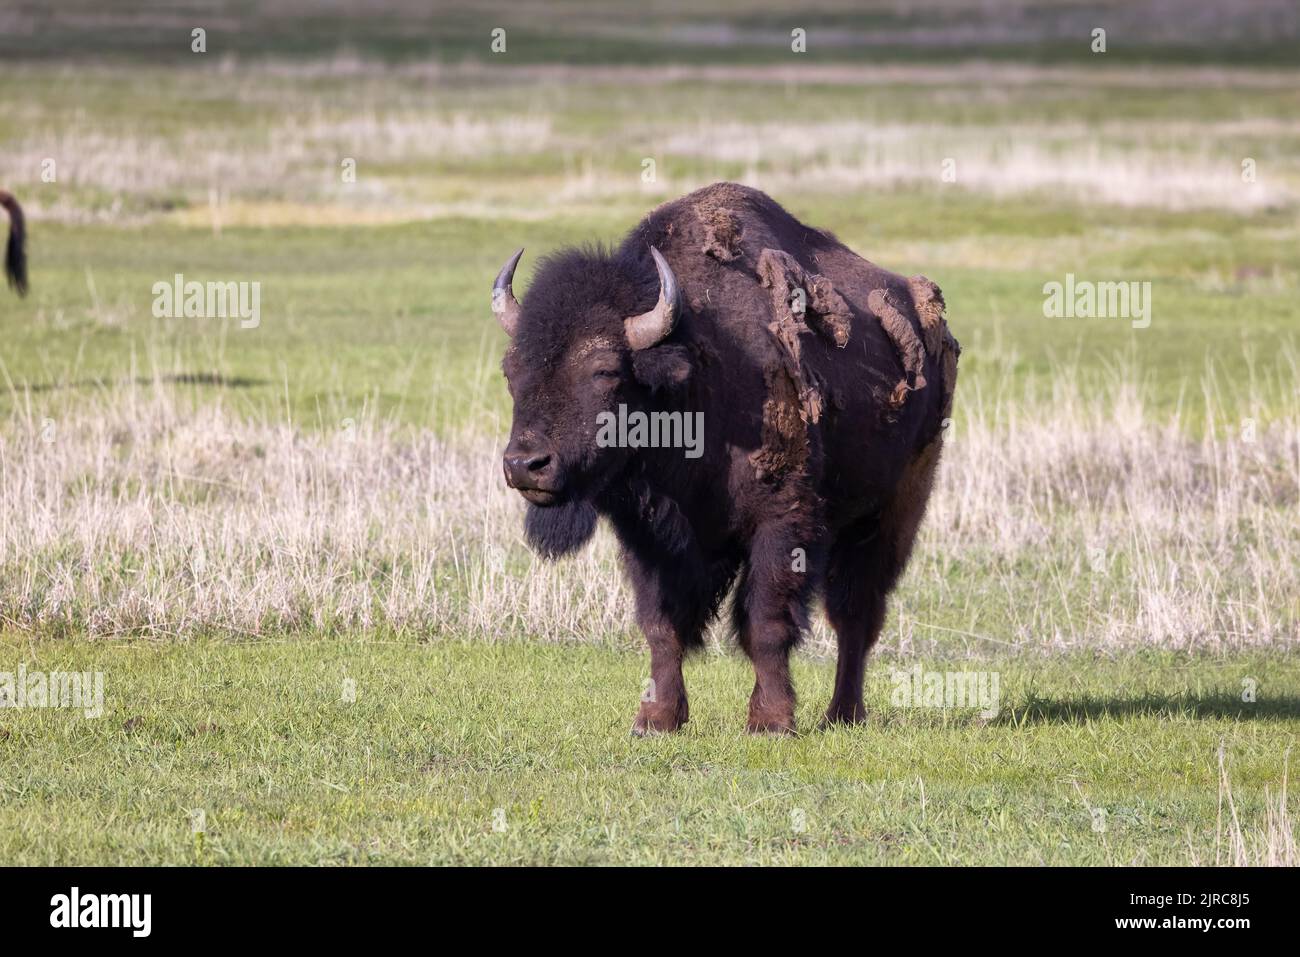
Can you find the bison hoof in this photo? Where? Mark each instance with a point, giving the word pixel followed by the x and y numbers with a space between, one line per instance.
pixel 766 723
pixel 844 714
pixel 658 721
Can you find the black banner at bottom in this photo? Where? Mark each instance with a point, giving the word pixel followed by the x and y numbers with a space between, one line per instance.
pixel 336 906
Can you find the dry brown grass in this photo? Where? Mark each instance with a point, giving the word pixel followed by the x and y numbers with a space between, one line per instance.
pixel 277 132
pixel 1114 164
pixel 1061 521
pixel 1237 843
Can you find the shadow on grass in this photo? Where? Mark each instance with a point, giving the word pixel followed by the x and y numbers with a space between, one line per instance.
pixel 181 378
pixel 1184 706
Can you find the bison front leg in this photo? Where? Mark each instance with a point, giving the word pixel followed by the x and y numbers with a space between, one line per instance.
pixel 663 701
pixel 771 606
pixel 668 612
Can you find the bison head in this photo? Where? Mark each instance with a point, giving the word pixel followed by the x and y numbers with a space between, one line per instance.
pixel 589 337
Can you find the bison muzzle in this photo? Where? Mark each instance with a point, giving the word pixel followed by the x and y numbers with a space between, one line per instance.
pixel 823 385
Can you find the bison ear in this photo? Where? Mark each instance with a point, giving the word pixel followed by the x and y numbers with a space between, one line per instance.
pixel 665 369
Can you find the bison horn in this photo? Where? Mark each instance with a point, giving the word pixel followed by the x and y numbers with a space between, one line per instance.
pixel 651 327
pixel 504 303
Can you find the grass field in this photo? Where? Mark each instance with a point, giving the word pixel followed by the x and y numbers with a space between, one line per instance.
pixel 230 523
pixel 1088 761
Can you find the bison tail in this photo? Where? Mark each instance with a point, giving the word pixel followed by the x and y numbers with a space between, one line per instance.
pixel 15 250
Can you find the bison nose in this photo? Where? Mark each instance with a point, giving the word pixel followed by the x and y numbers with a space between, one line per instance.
pixel 528 470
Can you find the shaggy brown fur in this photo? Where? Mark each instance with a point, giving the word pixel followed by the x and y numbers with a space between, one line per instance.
pixel 823 381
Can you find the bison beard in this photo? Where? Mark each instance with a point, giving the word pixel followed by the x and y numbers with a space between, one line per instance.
pixel 823 381
pixel 559 530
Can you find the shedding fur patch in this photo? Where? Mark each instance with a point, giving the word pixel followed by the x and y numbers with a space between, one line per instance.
pixel 910 348
pixel 793 401
pixel 820 307
pixel 829 313
pixel 722 229
pixel 939 341
pixel 785 434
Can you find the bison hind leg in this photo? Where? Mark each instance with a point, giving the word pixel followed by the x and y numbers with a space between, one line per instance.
pixel 770 611
pixel 858 567
pixel 865 561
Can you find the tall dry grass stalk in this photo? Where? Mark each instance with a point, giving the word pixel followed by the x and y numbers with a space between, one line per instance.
pixel 1271 843
pixel 1063 520
pixel 1161 165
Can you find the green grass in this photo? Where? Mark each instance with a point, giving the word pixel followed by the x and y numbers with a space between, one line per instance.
pixel 443 734
pixel 393 319
pixel 589 32
pixel 389 315
pixel 375 307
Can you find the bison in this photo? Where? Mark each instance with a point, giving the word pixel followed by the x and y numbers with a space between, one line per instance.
pixel 15 248
pixel 823 385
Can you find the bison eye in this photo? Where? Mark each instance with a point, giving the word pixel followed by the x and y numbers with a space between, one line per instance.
pixel 605 375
